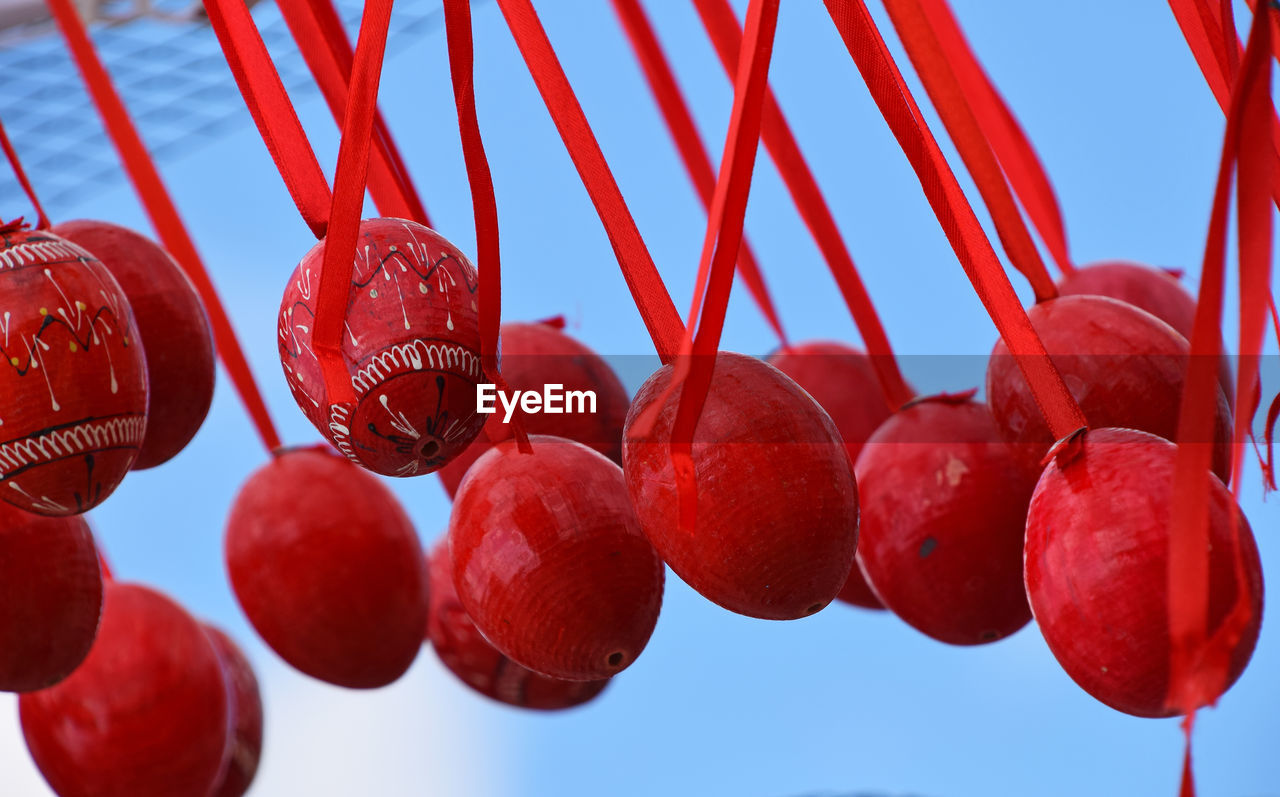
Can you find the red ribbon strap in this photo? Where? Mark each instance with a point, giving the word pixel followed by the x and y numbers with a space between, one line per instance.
pixel 42 221
pixel 892 97
pixel 160 208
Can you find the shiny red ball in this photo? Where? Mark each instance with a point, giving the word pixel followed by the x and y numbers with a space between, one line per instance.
pixel 411 343
pixel 172 325
pixel 1096 569
pixel 147 712
pixel 1124 366
pixel 73 376
pixel 246 715
pixel 777 503
pixel 843 382
pixel 549 560
pixel 328 568
pixel 535 355
pixel 50 597
pixel 944 504
pixel 480 665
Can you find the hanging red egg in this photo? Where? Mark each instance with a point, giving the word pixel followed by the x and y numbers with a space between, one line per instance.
pixel 1152 289
pixel 73 381
pixel 549 560
pixel 1124 366
pixel 1097 559
pixel 480 665
pixel 944 505
pixel 146 714
pixel 172 326
pixel 535 356
pixel 777 504
pixel 411 342
pixel 843 382
pixel 328 568
pixel 246 715
pixel 50 597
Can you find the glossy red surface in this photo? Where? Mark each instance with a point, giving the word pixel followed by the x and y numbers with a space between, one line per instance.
pixel 777 520
pixel 535 355
pixel 73 377
pixel 1097 568
pixel 245 715
pixel 842 380
pixel 480 665
pixel 146 714
pixel 549 560
pixel 944 504
pixel 50 597
pixel 173 328
pixel 328 568
pixel 412 346
pixel 1123 365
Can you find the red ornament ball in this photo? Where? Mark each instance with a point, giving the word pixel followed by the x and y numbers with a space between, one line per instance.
pixel 172 325
pixel 536 355
pixel 549 560
pixel 944 505
pixel 328 568
pixel 480 665
pixel 246 715
pixel 73 380
pixel 843 382
pixel 411 342
pixel 1097 557
pixel 147 712
pixel 777 504
pixel 1124 366
pixel 50 597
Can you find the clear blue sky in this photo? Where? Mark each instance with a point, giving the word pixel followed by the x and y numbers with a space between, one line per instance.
pixel 844 702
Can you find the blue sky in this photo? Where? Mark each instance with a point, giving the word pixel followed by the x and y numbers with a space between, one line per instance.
pixel 846 701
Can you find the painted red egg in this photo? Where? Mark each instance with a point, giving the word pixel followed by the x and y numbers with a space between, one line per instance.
pixel 172 326
pixel 246 715
pixel 843 381
pixel 538 357
pixel 73 381
pixel 480 665
pixel 1152 289
pixel 944 505
pixel 1097 567
pixel 1124 366
pixel 777 504
pixel 50 597
pixel 411 343
pixel 549 560
pixel 328 568
pixel 147 712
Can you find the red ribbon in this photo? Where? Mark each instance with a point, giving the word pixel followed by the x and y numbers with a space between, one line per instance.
pixel 162 212
pixel 42 221
pixel 721 24
pixel 893 98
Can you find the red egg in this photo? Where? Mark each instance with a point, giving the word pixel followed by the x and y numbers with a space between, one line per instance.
pixel 1124 366
pixel 777 504
pixel 172 326
pixel 549 560
pixel 1096 569
pixel 944 504
pixel 411 343
pixel 843 382
pixel 328 569
pixel 147 712
pixel 246 715
pixel 50 597
pixel 536 355
pixel 479 664
pixel 73 381
pixel 1152 289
